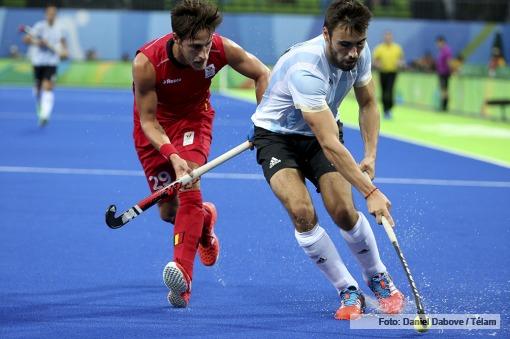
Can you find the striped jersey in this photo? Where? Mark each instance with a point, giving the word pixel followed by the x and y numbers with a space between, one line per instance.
pixel 303 79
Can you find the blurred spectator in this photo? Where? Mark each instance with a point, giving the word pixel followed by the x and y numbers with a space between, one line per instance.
pixel 388 58
pixel 91 55
pixel 456 64
pixel 14 52
pixel 125 57
pixel 426 63
pixel 496 61
pixel 443 69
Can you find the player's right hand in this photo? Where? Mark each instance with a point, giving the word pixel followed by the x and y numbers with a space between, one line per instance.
pixel 180 166
pixel 379 205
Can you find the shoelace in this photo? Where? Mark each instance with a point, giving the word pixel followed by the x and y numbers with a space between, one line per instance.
pixel 378 289
pixel 349 297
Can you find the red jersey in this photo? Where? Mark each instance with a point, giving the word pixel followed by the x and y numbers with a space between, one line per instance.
pixel 181 90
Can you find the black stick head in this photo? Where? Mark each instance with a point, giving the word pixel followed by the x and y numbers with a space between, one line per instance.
pixel 111 220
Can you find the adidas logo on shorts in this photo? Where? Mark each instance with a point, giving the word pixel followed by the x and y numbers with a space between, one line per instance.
pixel 274 162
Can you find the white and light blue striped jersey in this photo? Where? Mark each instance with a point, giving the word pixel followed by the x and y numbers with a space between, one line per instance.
pixel 303 79
pixel 53 34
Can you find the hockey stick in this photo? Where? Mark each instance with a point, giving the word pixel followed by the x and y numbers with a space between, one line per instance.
pixel 420 310
pixel 118 221
pixel 28 30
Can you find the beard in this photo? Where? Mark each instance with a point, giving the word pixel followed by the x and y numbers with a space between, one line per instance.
pixel 343 63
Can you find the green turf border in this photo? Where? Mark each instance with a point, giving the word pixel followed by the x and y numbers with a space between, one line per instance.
pixel 476 138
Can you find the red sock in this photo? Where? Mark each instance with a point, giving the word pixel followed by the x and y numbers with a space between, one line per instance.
pixel 204 240
pixel 207 217
pixel 188 229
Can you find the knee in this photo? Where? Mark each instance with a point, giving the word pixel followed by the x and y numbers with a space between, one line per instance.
pixel 303 216
pixel 167 216
pixel 168 211
pixel 345 218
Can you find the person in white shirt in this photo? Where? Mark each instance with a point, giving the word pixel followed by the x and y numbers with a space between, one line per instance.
pixel 49 46
pixel 297 137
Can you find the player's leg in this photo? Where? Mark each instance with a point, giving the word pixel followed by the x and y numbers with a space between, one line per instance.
pixel 391 90
pixel 278 161
pixel 188 226
pixel 38 78
pixel 356 230
pixel 352 301
pixel 47 95
pixel 443 84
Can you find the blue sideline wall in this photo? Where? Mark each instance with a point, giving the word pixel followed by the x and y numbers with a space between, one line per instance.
pixel 113 33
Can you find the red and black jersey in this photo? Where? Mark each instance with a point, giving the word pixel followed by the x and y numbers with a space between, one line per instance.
pixel 181 90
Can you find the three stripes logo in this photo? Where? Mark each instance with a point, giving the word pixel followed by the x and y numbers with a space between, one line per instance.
pixel 274 161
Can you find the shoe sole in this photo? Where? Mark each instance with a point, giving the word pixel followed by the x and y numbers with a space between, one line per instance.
pixel 175 281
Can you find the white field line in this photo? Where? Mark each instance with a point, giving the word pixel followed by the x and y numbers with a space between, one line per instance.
pixel 247 176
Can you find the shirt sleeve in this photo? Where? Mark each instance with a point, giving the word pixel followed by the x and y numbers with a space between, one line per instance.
pixel 37 30
pixel 308 91
pixel 364 68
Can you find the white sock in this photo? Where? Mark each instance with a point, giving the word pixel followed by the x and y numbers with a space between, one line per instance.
pixel 362 243
pixel 47 99
pixel 318 246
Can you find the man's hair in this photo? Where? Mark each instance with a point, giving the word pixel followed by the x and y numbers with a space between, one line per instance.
pixel 351 14
pixel 440 38
pixel 191 16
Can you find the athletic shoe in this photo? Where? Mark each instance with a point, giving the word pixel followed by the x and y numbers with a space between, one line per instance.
pixel 391 300
pixel 352 304
pixel 43 122
pixel 179 283
pixel 209 246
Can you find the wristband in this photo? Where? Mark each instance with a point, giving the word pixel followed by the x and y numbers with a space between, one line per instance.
pixel 167 150
pixel 369 193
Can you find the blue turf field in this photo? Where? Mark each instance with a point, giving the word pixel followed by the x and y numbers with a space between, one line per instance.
pixel 65 274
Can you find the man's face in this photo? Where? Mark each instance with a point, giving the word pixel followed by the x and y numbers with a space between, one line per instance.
pixel 343 47
pixel 388 37
pixel 195 52
pixel 51 14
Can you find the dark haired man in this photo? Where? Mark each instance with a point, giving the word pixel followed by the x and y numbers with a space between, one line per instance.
pixel 297 137
pixel 172 126
pixel 49 43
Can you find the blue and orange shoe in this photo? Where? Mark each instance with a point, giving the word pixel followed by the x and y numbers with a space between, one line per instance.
pixel 352 304
pixel 179 283
pixel 391 300
pixel 209 246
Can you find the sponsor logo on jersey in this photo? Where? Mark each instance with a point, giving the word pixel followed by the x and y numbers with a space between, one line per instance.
pixel 188 138
pixel 171 81
pixel 210 71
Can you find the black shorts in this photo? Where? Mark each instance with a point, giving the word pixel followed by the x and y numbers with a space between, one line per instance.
pixel 278 151
pixel 45 73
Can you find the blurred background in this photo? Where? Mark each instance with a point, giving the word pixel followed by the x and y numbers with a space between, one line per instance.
pixel 102 36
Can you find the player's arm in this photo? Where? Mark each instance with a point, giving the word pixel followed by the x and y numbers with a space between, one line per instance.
pixel 325 129
pixel 369 122
pixel 144 78
pixel 63 50
pixel 248 65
